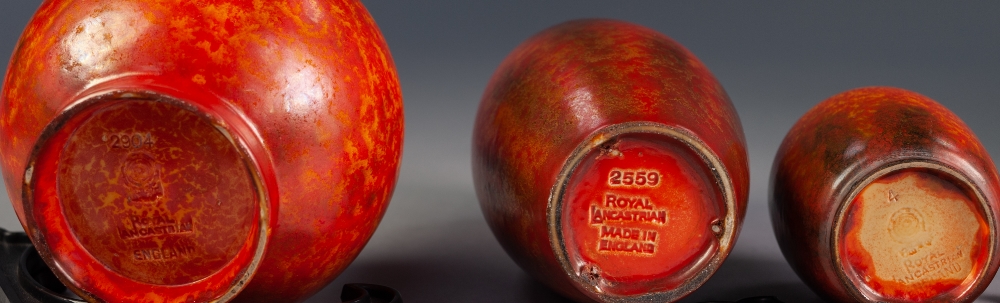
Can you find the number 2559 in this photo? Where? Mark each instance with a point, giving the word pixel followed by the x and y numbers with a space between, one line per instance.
pixel 630 177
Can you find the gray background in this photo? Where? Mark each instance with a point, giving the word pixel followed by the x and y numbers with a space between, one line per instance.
pixel 776 60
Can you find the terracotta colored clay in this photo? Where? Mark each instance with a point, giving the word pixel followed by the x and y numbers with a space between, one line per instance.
pixel 610 163
pixel 183 151
pixel 883 195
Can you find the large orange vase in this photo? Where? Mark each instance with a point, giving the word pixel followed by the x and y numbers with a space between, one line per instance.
pixel 190 151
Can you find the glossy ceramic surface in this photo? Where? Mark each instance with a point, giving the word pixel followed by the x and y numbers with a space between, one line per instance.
pixel 190 151
pixel 882 194
pixel 609 163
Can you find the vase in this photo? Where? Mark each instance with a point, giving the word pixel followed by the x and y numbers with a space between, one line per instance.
pixel 609 163
pixel 880 194
pixel 182 151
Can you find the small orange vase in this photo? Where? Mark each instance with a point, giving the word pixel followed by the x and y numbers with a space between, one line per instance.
pixel 883 195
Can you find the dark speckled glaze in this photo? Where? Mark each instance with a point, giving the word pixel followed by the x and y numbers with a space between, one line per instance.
pixel 859 141
pixel 184 151
pixel 576 88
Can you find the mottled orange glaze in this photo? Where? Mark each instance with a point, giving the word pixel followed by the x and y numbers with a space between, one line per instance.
pixel 114 198
pixel 660 232
pixel 557 89
pixel 124 233
pixel 307 86
pixel 823 163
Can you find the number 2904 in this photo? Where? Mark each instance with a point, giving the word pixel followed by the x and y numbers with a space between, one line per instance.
pixel 129 140
pixel 634 177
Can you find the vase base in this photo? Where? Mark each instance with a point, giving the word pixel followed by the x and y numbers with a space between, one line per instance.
pixel 139 197
pixel 642 215
pixel 915 233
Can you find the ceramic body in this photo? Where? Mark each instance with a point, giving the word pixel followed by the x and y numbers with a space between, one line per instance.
pixel 188 151
pixel 609 163
pixel 881 194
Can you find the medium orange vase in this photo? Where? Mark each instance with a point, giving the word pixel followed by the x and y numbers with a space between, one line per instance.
pixel 882 195
pixel 610 164
pixel 185 151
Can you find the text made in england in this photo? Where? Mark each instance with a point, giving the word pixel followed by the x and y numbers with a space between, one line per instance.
pixel 162 254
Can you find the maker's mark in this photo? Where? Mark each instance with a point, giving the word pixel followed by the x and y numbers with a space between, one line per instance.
pixel 906 225
pixel 142 177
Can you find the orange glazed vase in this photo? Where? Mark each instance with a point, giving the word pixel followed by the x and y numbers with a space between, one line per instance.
pixel 610 163
pixel 185 151
pixel 882 195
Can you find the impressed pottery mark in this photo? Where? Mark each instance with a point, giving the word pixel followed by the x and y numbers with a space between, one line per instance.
pixel 128 140
pixel 614 211
pixel 906 227
pixel 645 207
pixel 142 177
pixel 157 193
pixel 163 254
pixel 141 172
pixel 157 223
pixel 622 239
pixel 915 231
pixel 625 208
pixel 935 264
pixel 633 178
